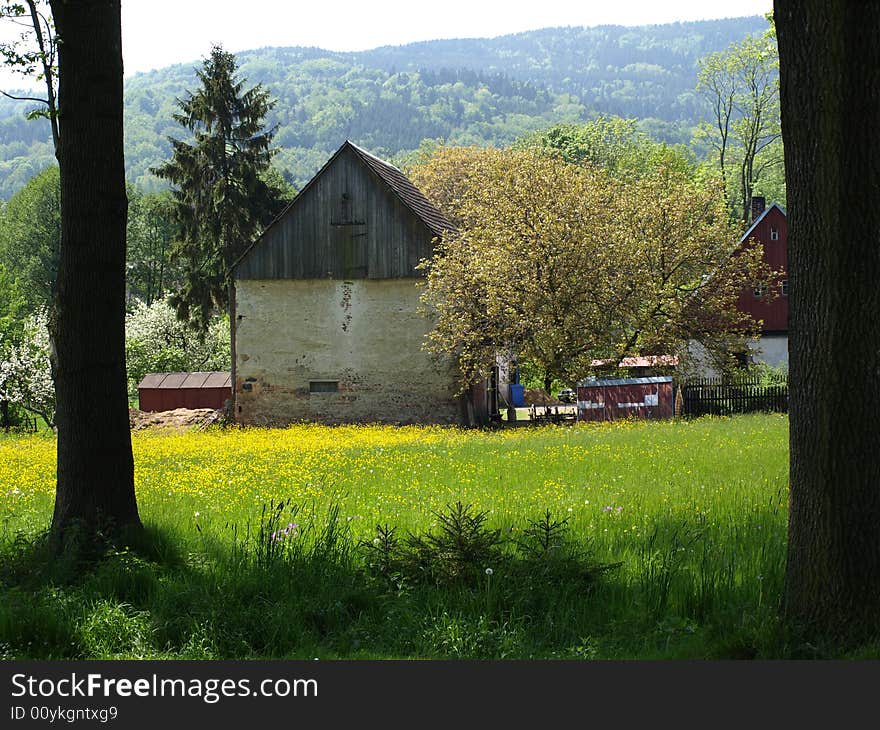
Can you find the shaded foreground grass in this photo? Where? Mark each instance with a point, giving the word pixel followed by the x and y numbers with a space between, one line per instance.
pixel 263 543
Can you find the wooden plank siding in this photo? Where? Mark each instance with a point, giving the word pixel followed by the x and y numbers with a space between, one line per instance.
pixel 347 223
pixel 771 311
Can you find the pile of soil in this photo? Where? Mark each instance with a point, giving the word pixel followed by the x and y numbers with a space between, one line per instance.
pixel 179 419
pixel 537 397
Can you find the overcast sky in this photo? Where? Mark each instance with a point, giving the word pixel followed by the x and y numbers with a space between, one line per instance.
pixel 158 33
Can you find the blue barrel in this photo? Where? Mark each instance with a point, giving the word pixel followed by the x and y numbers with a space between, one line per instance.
pixel 517 395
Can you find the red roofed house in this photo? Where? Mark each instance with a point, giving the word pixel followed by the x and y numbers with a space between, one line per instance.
pixel 769 228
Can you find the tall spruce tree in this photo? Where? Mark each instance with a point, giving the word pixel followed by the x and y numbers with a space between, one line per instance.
pixel 223 195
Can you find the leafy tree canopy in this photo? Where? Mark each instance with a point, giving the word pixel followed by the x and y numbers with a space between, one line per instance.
pixel 741 88
pixel 561 263
pixel 30 238
pixel 612 143
pixel 152 231
pixel 26 370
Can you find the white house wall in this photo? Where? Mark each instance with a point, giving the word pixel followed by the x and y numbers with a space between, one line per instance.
pixel 771 349
pixel 364 335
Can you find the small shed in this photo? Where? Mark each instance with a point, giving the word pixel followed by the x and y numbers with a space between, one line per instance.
pixel 167 391
pixel 608 400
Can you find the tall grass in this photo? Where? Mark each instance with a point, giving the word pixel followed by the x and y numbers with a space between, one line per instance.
pixel 259 544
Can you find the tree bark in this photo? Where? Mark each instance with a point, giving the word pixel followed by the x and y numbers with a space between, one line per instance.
pixel 830 93
pixel 95 488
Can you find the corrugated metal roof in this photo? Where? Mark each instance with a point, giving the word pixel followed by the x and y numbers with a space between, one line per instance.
pixel 408 193
pixel 644 361
pixel 218 380
pixel 625 381
pixel 194 380
pixel 175 381
pixel 152 380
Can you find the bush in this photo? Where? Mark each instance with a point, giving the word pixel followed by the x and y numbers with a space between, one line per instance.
pixel 465 552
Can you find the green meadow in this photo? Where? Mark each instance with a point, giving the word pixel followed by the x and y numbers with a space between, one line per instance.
pixel 625 540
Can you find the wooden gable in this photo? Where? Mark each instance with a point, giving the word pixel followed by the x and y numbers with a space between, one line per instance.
pixel 358 218
pixel 770 229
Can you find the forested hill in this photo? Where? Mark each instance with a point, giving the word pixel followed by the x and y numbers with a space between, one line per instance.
pixel 468 91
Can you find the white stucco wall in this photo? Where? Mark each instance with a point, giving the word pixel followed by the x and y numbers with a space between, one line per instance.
pixel 771 349
pixel 366 335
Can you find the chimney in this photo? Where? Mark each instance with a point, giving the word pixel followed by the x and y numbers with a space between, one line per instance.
pixel 758 205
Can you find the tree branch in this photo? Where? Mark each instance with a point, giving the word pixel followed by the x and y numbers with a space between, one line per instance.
pixel 24 98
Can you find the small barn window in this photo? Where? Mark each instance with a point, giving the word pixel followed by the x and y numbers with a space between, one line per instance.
pixel 760 290
pixel 785 287
pixel 774 234
pixel 323 386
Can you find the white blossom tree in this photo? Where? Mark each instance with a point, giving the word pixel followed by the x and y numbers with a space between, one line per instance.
pixel 26 370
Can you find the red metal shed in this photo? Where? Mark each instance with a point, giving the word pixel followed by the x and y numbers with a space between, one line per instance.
pixel 167 391
pixel 607 400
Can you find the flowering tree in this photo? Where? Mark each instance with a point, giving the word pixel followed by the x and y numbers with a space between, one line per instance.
pixel 563 264
pixel 26 371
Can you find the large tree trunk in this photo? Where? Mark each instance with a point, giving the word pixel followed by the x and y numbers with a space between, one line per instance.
pixel 95 487
pixel 830 93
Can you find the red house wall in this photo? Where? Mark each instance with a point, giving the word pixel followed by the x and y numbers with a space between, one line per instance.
pixel 774 314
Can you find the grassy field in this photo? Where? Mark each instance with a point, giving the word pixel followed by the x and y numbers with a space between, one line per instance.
pixel 636 540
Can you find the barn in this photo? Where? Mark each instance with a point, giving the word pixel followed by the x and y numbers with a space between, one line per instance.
pixel 326 324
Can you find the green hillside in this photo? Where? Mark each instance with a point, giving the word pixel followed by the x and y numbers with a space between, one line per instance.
pixel 469 91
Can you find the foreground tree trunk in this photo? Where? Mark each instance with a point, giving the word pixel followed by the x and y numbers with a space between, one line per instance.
pixel 829 56
pixel 95 488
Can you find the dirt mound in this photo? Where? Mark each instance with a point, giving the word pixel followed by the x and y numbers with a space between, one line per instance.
pixel 537 397
pixel 179 419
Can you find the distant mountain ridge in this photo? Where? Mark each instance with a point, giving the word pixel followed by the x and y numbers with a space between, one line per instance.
pixel 467 91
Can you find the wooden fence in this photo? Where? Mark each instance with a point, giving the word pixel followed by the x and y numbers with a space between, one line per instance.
pixel 717 397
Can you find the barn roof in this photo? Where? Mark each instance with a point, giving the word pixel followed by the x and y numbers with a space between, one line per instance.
pixel 174 381
pixel 408 194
